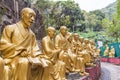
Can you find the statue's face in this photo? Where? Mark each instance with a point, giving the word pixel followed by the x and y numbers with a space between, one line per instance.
pixel 70 38
pixel 64 31
pixel 52 33
pixel 86 41
pixel 81 39
pixel 76 37
pixel 28 17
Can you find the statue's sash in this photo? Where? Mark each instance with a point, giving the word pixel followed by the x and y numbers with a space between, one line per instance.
pixel 13 50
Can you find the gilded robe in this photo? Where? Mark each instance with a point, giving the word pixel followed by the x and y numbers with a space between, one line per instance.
pixel 62 43
pixel 80 64
pixel 56 71
pixel 14 40
pixel 1 69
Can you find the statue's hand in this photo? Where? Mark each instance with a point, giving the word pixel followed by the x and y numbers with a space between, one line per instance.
pixel 57 51
pixel 24 53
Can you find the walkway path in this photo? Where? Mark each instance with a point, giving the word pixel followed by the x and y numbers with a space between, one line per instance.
pixel 110 71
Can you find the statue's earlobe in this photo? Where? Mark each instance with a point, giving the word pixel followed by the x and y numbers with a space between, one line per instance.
pixel 22 15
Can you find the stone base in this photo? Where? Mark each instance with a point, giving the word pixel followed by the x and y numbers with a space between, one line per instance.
pixel 104 59
pixel 114 60
pixel 111 60
pixel 76 76
pixel 95 71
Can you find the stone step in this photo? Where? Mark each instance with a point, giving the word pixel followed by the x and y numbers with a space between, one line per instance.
pixel 94 73
pixel 111 60
pixel 76 76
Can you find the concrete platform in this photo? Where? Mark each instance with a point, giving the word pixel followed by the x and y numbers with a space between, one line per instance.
pixel 76 76
pixel 94 73
pixel 111 60
pixel 110 71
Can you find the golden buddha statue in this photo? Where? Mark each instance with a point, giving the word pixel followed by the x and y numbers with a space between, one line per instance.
pixel 77 44
pixel 72 56
pixel 87 53
pixel 17 45
pixel 1 69
pixel 95 52
pixel 106 52
pixel 64 41
pixel 92 50
pixel 80 64
pixel 81 39
pixel 61 43
pixel 112 52
pixel 56 71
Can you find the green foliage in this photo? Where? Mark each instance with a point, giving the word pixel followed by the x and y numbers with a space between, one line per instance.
pixel 118 9
pixel 90 35
pixel 60 13
pixel 112 28
pixel 45 7
pixel 93 20
pixel 66 13
pixel 109 10
pixel 106 23
pixel 44 4
pixel 99 14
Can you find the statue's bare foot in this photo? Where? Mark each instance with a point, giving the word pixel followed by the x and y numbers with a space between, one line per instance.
pixel 85 73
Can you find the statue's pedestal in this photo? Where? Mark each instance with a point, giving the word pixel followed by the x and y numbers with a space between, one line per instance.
pixel 76 76
pixel 111 60
pixel 95 71
pixel 104 59
pixel 114 60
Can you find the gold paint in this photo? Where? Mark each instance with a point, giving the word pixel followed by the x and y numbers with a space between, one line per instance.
pixel 17 44
pixel 64 53
pixel 112 52
pixel 56 71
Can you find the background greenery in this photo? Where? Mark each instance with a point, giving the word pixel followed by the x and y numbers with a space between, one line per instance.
pixel 88 24
pixel 94 24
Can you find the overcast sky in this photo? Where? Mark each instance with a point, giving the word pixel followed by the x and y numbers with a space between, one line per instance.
pixel 89 5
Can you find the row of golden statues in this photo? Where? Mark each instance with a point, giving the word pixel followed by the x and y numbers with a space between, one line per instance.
pixel 21 58
pixel 109 52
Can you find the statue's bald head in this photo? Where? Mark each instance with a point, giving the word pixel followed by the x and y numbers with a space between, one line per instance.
pixel 63 27
pixel 81 39
pixel 63 30
pixel 76 34
pixel 27 17
pixel 27 10
pixel 50 29
pixel 51 32
pixel 92 40
pixel 86 40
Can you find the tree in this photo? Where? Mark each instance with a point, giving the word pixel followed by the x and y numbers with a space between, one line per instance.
pixel 93 20
pixel 118 9
pixel 112 27
pixel 99 16
pixel 45 7
pixel 115 29
pixel 106 23
pixel 65 13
